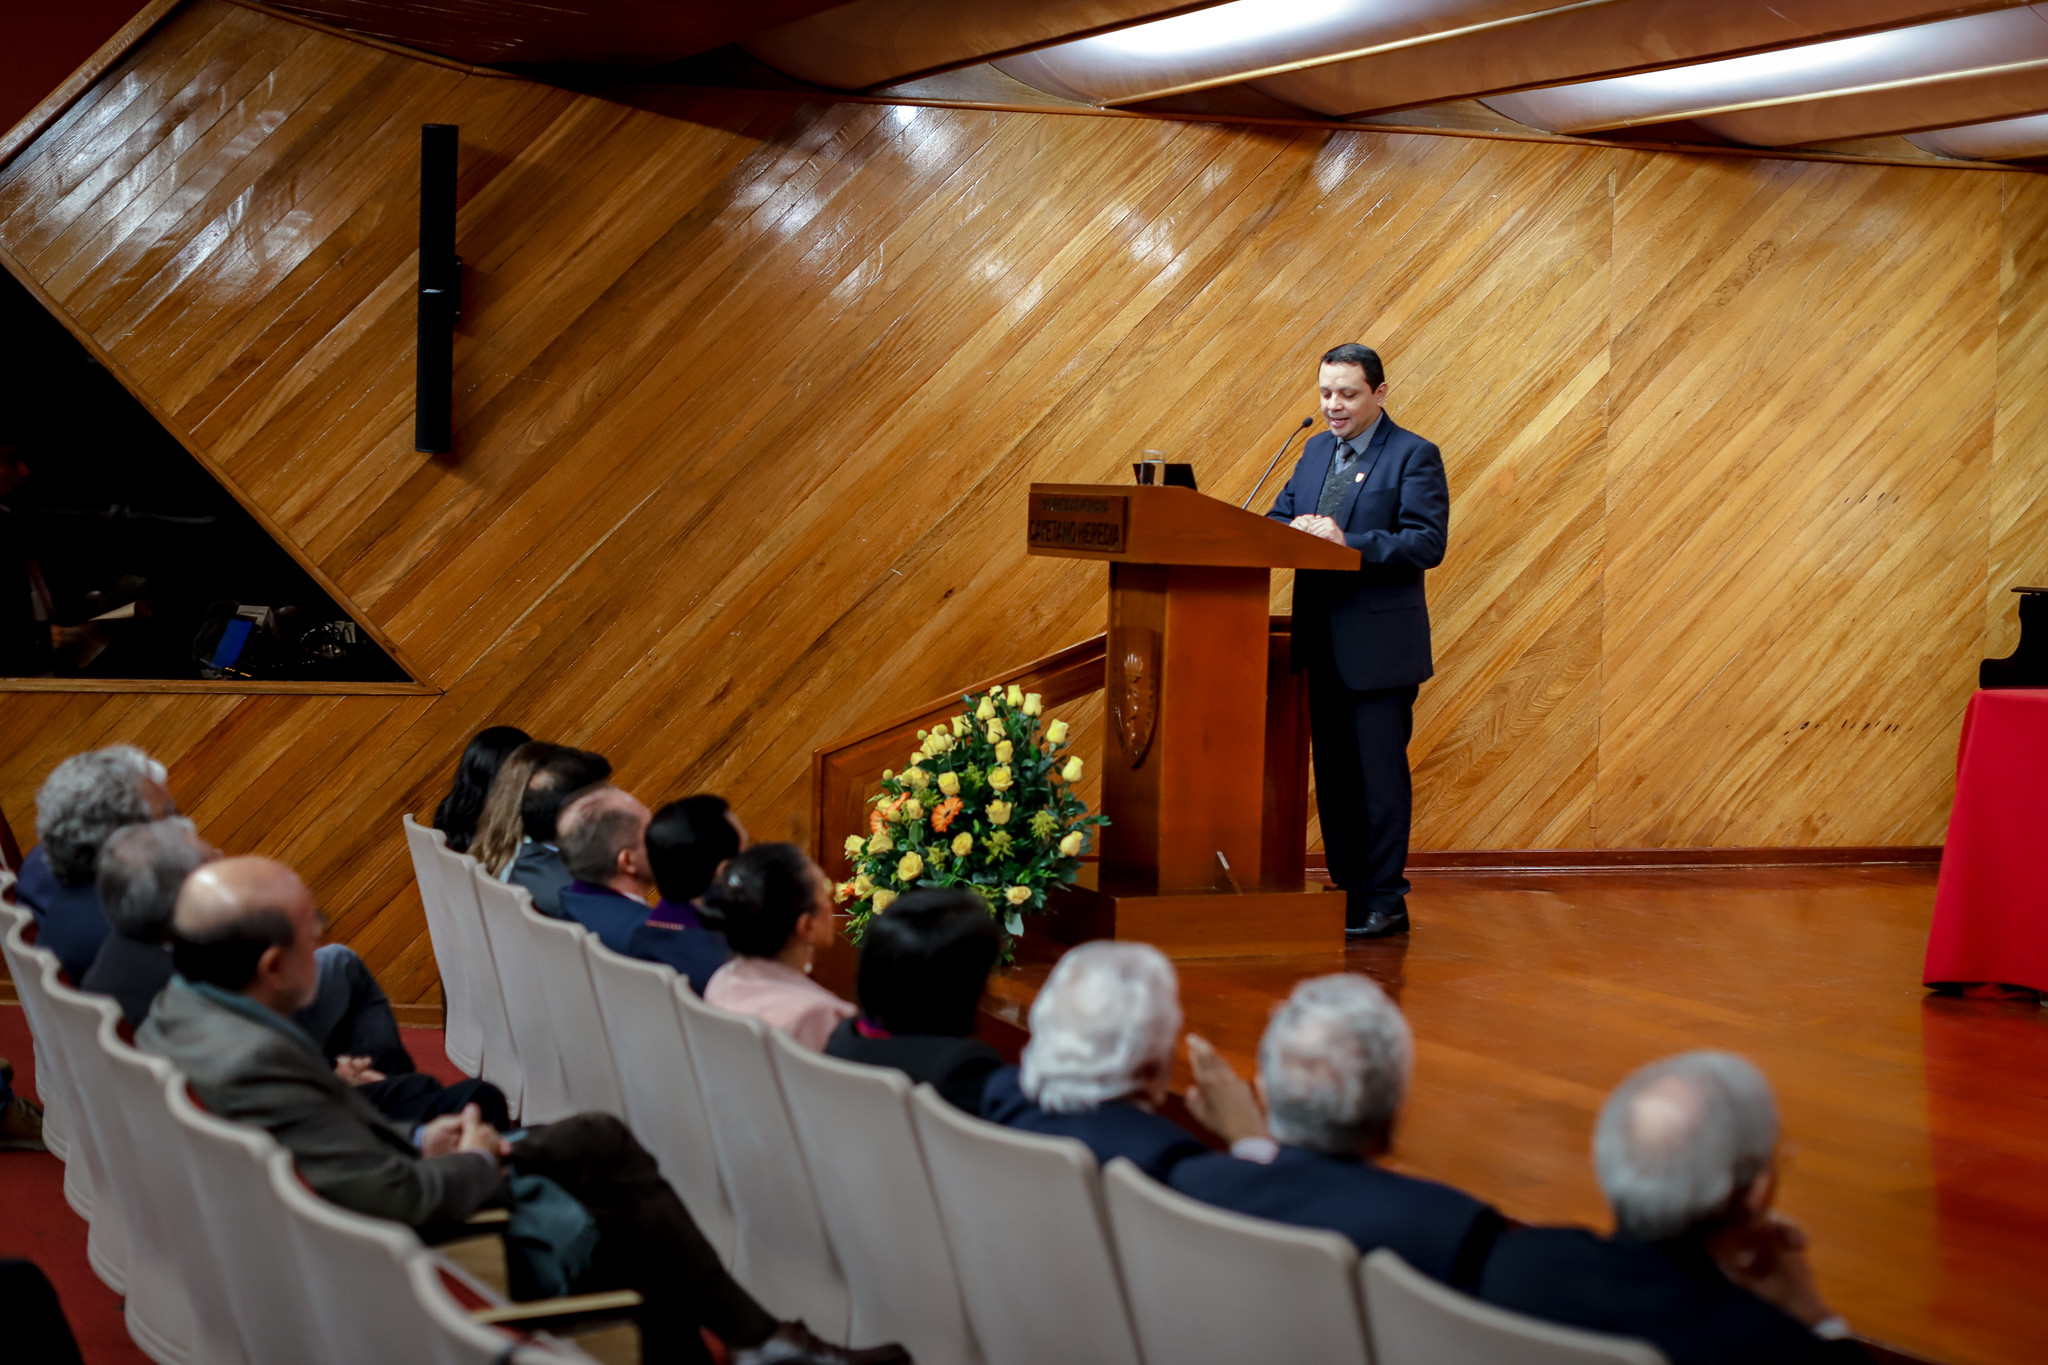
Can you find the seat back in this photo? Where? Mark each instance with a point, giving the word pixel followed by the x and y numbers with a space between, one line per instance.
pixel 1210 1287
pixel 1417 1321
pixel 171 1212
pixel 853 1123
pixel 53 1078
pixel 355 1271
pixel 73 1022
pixel 501 909
pixel 480 973
pixel 1023 1216
pixel 781 1254
pixel 580 1038
pixel 658 1082
pixel 159 1315
pixel 254 1255
pixel 462 1036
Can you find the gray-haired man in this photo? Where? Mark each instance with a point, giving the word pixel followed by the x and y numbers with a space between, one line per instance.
pixel 1686 1151
pixel 83 801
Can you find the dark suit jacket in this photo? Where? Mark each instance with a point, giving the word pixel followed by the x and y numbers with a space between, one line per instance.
pixel 71 923
pixel 133 973
pixel 608 914
pixel 1670 1294
pixel 539 869
pixel 1153 1142
pixel 958 1068
pixel 694 953
pixel 1373 624
pixel 1440 1231
pixel 253 1072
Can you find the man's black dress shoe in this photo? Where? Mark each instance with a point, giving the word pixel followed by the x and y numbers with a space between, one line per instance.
pixel 1379 924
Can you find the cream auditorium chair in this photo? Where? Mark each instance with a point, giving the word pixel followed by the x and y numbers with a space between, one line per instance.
pixel 1416 1321
pixel 462 1034
pixel 52 1078
pixel 460 1339
pixel 68 1028
pixel 544 1094
pixel 658 1082
pixel 580 1040
pixel 781 1255
pixel 1212 1287
pixel 478 971
pixel 1023 1217
pixel 854 1126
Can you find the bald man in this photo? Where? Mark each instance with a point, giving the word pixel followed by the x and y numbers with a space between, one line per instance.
pixel 603 838
pixel 243 941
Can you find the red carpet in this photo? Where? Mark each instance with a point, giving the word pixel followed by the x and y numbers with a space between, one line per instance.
pixel 36 1223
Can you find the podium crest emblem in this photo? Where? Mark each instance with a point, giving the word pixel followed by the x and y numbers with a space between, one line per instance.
pixel 1134 689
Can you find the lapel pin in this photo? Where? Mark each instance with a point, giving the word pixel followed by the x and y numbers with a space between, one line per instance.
pixel 1359 477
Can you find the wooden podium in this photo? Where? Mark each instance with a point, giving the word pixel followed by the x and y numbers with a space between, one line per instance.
pixel 1205 770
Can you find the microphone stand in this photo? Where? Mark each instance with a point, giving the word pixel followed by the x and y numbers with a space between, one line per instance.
pixel 1306 423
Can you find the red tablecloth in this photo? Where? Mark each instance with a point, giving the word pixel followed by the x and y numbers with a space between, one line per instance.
pixel 1991 907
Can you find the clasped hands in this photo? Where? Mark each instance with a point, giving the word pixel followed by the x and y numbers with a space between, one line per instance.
pixel 463 1132
pixel 1319 526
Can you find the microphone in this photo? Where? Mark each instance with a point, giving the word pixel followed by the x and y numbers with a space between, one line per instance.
pixel 1306 423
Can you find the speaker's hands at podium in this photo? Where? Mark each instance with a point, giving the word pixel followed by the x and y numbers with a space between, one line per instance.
pixel 1319 526
pixel 1220 1099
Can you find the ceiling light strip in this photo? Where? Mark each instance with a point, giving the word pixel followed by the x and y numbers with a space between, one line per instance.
pixel 1809 97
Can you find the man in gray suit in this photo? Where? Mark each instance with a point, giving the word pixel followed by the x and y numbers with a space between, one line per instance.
pixel 243 941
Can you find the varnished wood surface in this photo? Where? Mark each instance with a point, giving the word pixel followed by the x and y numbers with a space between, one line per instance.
pixel 749 392
pixel 1916 1126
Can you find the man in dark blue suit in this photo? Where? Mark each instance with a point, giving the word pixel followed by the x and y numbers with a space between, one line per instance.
pixel 1686 1150
pixel 689 843
pixel 604 846
pixel 1376 488
pixel 80 805
pixel 1333 1069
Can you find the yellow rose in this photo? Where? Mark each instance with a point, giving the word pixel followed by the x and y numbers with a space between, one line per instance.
pixel 1015 696
pixel 863 886
pixel 961 725
pixel 996 731
pixel 1056 733
pixel 963 844
pixel 1071 845
pixel 985 711
pixel 881 843
pixel 1034 703
pixel 999 812
pixel 855 845
pixel 1072 772
pixel 883 900
pixel 949 783
pixel 843 891
pixel 912 811
pixel 918 778
pixel 1005 751
pixel 999 778
pixel 907 870
pixel 1017 895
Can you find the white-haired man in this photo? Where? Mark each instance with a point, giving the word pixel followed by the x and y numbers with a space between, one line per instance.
pixel 1686 1151
pixel 1101 1053
pixel 1333 1070
pixel 602 835
pixel 84 800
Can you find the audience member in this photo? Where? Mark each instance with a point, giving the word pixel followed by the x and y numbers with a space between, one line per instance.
pixel 87 798
pixel 1333 1069
pixel 777 906
pixel 923 967
pixel 499 833
pixel 245 932
pixel 143 868
pixel 1101 1052
pixel 460 809
pixel 604 846
pixel 558 779
pixel 689 843
pixel 1686 1152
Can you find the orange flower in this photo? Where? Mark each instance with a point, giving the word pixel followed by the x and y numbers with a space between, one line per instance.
pixel 943 813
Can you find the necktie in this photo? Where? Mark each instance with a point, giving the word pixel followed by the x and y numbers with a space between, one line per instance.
pixel 1333 486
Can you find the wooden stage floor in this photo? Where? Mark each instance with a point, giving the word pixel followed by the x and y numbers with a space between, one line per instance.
pixel 1917 1127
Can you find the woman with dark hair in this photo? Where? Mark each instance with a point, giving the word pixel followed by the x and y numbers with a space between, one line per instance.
pixel 464 804
pixel 777 907
pixel 923 967
pixel 689 843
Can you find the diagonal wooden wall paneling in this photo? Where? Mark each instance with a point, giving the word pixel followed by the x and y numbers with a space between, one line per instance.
pixel 750 389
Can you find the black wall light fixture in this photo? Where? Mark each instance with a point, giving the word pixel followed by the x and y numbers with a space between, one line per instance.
pixel 440 293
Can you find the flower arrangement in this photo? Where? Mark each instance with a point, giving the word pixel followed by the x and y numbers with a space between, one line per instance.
pixel 987 803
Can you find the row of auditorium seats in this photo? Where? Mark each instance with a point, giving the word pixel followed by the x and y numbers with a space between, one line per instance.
pixel 222 1254
pixel 876 1212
